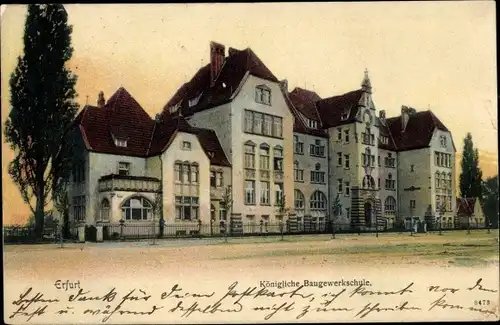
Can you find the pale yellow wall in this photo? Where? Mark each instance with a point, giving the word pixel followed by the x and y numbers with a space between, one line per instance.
pixel 308 164
pixel 217 119
pixel 196 154
pixel 153 167
pixel 421 159
pixel 245 99
pixel 104 164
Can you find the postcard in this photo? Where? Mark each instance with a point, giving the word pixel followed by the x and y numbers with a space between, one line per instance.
pixel 249 163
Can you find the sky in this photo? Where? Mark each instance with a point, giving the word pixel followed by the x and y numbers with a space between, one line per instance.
pixel 427 55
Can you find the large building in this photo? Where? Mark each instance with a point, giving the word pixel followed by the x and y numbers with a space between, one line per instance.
pixel 236 129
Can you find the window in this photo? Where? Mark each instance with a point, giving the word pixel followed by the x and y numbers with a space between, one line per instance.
pixel 346 136
pixel 263 124
pixel 347 162
pixel 278 158
pixel 390 161
pixel 339 185
pixel 317 149
pixel 367 157
pixel 412 204
pixel 279 193
pixel 378 160
pixel 312 124
pixel 442 159
pixel 442 141
pixel 136 208
pixel 390 184
pixel 123 168
pixel 368 182
pixel 120 142
pixel 348 212
pixel 194 101
pixel 187 208
pixel 105 209
pixel 249 155
pixel 318 201
pixel 298 147
pixel 79 208
pixel 412 168
pixel 222 211
pixel 384 139
pixel 258 120
pixel 390 205
pixel 216 179
pixel 79 172
pixel 264 192
pixel 263 95
pixel 298 173
pixel 367 137
pixel 339 158
pixel 299 200
pixel 264 157
pixel 317 176
pixel 268 125
pixel 186 145
pixel 347 186
pixel 344 116
pixel 378 182
pixel 249 192
pixel 339 134
pixel 186 172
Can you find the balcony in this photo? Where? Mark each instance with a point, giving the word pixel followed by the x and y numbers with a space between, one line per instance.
pixel 278 176
pixel 128 183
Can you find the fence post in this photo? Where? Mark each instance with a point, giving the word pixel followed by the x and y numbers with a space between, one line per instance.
pixel 199 228
pixel 211 227
pixel 122 224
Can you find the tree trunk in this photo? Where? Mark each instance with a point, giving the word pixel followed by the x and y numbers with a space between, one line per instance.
pixel 39 211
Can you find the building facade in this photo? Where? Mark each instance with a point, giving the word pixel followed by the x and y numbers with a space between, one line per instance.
pixel 234 145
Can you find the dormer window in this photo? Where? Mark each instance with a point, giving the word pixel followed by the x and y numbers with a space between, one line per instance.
pixel 384 139
pixel 193 101
pixel 344 116
pixel 312 124
pixel 263 95
pixel 119 142
pixel 211 154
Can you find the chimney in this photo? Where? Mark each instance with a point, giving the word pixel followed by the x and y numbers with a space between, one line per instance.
pixel 217 53
pixel 381 114
pixel 100 99
pixel 284 85
pixel 406 112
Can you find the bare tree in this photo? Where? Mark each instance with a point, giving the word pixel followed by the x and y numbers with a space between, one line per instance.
pixel 227 201
pixel 157 207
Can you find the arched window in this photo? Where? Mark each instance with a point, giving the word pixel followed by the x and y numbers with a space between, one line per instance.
pixel 390 205
pixel 105 209
pixel 317 166
pixel 299 200
pixel 295 164
pixel 318 201
pixel 136 208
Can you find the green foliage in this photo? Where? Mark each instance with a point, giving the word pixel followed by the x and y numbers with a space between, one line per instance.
pixel 471 175
pixel 227 199
pixel 43 108
pixel 282 208
pixel 157 203
pixel 489 200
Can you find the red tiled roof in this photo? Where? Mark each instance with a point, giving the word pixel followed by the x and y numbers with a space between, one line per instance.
pixel 418 132
pixel 233 70
pixel 331 109
pixel 124 118
pixel 121 117
pixel 303 100
pixel 299 125
pixel 465 206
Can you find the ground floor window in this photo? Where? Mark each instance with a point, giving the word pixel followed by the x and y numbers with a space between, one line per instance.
pixel 105 210
pixel 79 207
pixel 187 208
pixel 136 208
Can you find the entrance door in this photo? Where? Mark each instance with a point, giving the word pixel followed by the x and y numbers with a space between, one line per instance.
pixel 368 214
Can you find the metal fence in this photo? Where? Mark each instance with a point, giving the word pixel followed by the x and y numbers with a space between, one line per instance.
pixel 148 230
